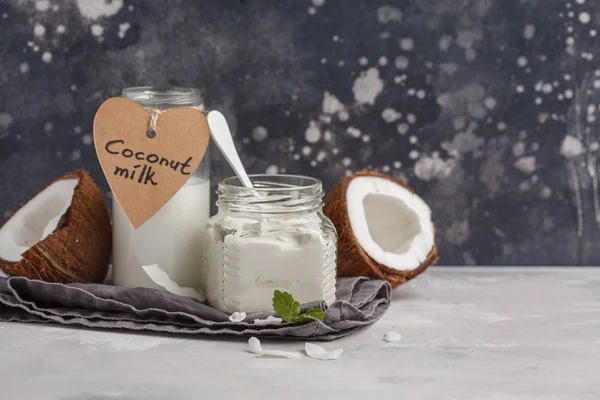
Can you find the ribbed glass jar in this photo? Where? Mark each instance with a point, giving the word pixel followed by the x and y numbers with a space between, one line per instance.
pixel 174 237
pixel 272 237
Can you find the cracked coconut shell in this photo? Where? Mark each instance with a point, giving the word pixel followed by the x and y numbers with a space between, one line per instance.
pixel 70 247
pixel 384 229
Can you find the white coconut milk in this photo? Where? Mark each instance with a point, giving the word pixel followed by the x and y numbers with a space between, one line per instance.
pixel 173 238
pixel 258 256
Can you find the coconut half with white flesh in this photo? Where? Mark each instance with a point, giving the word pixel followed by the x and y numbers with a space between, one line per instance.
pixel 62 234
pixel 384 228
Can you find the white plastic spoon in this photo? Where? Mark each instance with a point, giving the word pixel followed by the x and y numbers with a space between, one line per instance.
pixel 219 131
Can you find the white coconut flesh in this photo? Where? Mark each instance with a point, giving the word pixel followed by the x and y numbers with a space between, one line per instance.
pixel 391 224
pixel 37 219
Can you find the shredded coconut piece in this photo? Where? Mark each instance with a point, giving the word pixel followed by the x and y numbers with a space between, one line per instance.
pixel 392 337
pixel 237 316
pixel 257 349
pixel 162 279
pixel 319 353
pixel 270 320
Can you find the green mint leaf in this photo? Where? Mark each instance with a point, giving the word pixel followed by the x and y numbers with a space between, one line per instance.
pixel 285 306
pixel 312 313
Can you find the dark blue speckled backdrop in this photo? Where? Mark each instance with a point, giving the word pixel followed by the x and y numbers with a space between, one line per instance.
pixel 488 107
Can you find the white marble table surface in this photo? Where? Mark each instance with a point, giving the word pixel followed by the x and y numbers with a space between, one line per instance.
pixel 467 333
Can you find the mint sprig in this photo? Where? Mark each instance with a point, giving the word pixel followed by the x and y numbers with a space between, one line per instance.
pixel 288 309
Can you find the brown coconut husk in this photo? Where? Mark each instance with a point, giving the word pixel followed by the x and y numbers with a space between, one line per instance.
pixel 352 259
pixel 79 248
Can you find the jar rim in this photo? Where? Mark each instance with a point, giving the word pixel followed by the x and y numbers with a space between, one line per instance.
pixel 163 94
pixel 279 182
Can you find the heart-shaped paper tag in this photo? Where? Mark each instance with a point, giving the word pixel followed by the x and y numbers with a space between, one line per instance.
pixel 145 167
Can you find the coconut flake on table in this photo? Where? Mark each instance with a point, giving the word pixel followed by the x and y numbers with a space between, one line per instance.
pixel 319 353
pixel 37 219
pixel 270 320
pixel 392 337
pixel 256 348
pixel 162 279
pixel 237 316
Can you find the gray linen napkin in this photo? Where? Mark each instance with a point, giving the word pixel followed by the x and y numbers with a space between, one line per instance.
pixel 360 302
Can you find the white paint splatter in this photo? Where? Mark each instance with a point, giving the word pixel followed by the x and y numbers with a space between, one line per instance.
pixel 354 132
pixel 526 164
pixel 529 31
pixel 571 147
pixel 363 61
pixel 42 5
pixel 518 149
pixel 521 61
pixel 123 28
pixel 445 42
pixel 383 61
pixel 97 30
pixel 584 17
pixel 401 62
pixel 343 116
pixel 390 115
pixel 413 155
pixel 5 120
pixel 331 104
pixel 87 139
pixel 318 3
pixel 520 89
pixel 490 103
pixel 569 94
pixel 312 133
pixel 75 155
pixel 306 150
pixel 61 29
pixel 47 57
pixel 24 67
pixel 39 30
pixel 94 9
pixel 421 94
pixel 402 128
pixel 411 118
pixel 259 133
pixel 272 169
pixel 367 86
pixel 466 39
pixel 407 44
pixel 428 168
pixel 413 139
pixel 386 14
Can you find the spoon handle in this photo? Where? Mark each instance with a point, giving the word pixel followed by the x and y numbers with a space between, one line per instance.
pixel 219 131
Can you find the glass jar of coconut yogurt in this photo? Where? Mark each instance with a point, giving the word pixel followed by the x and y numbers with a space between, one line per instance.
pixel 272 237
pixel 172 238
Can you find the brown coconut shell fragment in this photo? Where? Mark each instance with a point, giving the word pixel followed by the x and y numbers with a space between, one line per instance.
pixel 79 248
pixel 352 258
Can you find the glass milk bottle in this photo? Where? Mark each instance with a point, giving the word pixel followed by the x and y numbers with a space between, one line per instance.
pixel 172 238
pixel 273 237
